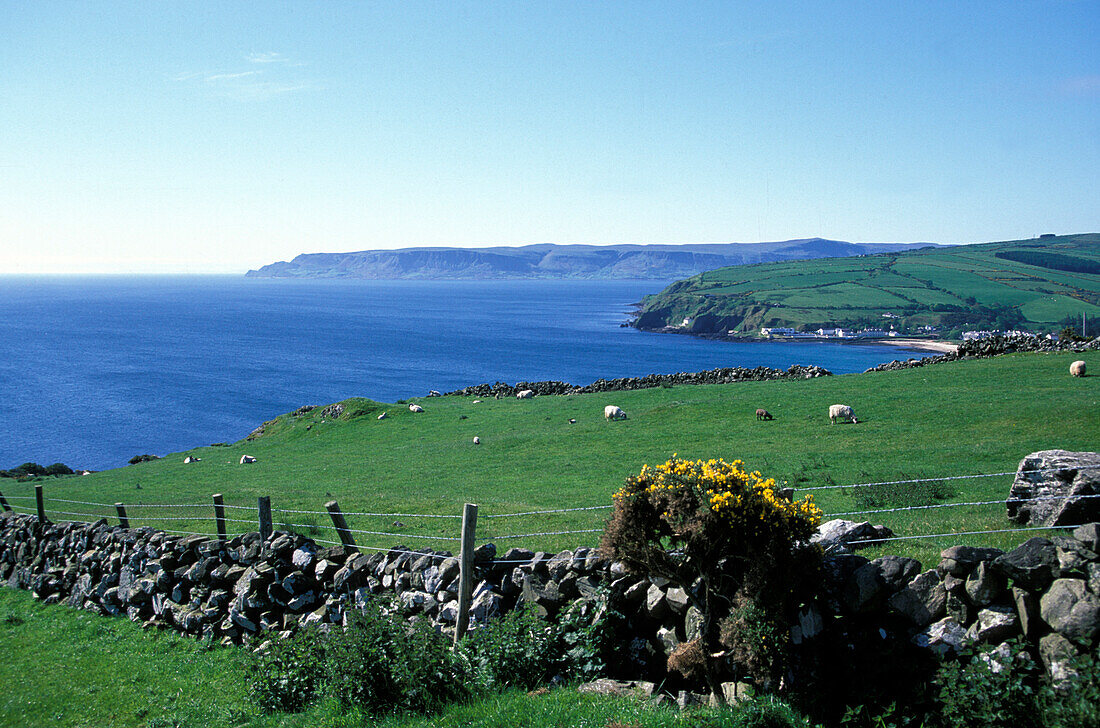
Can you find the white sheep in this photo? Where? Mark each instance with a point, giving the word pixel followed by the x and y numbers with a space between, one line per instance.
pixel 525 394
pixel 382 416
pixel 415 408
pixel 1077 368
pixel 611 412
pixel 477 440
pixel 842 411
pixel 246 459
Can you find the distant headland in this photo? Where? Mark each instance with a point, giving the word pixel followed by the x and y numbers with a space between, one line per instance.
pixel 551 261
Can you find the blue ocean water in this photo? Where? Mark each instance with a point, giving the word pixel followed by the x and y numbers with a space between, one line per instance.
pixel 96 370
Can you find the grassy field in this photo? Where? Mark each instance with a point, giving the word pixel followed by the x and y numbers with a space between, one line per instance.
pixel 961 418
pixel 1034 284
pixel 71 669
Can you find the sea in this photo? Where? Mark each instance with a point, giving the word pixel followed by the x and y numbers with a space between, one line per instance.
pixel 96 370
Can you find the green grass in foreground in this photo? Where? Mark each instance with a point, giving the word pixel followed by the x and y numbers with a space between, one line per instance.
pixel 960 418
pixel 63 667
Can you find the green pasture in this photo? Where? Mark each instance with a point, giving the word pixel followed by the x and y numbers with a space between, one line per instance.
pixel 846 291
pixel 963 418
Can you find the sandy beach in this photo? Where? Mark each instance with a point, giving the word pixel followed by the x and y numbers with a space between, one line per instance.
pixel 942 347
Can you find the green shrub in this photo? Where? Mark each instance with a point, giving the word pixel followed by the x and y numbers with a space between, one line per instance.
pixel 385 665
pixel 520 650
pixel 991 689
pixel 285 676
pixel 378 663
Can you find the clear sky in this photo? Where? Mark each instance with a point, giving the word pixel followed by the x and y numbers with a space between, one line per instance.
pixel 221 136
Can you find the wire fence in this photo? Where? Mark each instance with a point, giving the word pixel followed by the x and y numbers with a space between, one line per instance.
pixel 209 519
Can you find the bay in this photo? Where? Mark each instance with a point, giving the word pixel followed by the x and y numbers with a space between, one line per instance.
pixel 98 369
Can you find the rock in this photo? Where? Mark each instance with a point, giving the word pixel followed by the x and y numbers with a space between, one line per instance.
pixel 959 608
pixel 1027 610
pixel 666 638
pixel 693 624
pixel 1071 609
pixel 994 625
pixel 923 601
pixel 865 589
pixel 1092 571
pixel 959 561
pixel 1031 565
pixel 1057 654
pixel 677 600
pixel 606 686
pixel 656 606
pixel 1089 535
pixel 849 534
pixel 1048 488
pixel 485 606
pixel 984 585
pixel 896 571
pixel 1073 556
pixel 944 637
pixel 303 557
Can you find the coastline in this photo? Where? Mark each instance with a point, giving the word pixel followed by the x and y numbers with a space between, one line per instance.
pixel 936 345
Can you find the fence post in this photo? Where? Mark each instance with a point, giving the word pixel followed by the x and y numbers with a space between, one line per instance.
pixel 122 519
pixel 341 526
pixel 264 507
pixel 4 503
pixel 219 515
pixel 466 569
pixel 41 502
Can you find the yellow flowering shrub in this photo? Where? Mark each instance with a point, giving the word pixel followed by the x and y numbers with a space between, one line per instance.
pixel 725 535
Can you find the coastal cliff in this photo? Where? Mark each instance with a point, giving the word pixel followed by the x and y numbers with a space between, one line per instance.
pixel 559 261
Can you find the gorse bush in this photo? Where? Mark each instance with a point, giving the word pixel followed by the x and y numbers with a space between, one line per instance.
pixel 737 549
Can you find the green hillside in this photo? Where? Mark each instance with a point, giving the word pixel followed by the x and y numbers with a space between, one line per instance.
pixel 1039 284
pixel 959 418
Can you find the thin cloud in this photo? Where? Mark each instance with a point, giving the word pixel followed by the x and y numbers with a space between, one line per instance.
pixel 272 79
pixel 271 57
pixel 231 76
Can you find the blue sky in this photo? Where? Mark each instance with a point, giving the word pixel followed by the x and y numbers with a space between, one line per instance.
pixel 217 137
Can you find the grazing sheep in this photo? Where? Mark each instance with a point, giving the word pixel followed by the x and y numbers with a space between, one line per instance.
pixel 1077 368
pixel 382 416
pixel 611 412
pixel 477 440
pixel 842 411
pixel 572 421
pixel 477 401
pixel 191 459
pixel 525 394
pixel 415 408
pixel 245 459
pixel 763 414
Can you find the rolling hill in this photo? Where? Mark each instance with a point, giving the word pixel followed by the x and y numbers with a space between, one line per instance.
pixel 559 261
pixel 1039 284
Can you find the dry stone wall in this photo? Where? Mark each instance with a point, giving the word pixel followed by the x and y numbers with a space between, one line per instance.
pixel 1047 589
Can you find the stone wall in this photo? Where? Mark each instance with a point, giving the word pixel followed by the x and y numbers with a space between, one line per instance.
pixel 724 375
pixel 1047 590
pixel 991 346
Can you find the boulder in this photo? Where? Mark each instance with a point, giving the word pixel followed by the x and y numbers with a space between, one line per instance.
pixel 944 637
pixel 1027 610
pixel 839 533
pixel 1089 535
pixel 1031 565
pixel 923 601
pixel 1071 609
pixel 994 625
pixel 984 585
pixel 1049 486
pixel 1057 654
pixel 959 561
pixel 897 571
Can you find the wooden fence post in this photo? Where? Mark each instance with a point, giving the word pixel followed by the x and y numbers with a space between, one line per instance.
pixel 341 526
pixel 122 519
pixel 41 503
pixel 4 503
pixel 219 515
pixel 264 507
pixel 466 569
